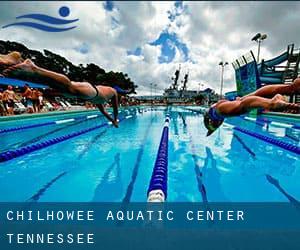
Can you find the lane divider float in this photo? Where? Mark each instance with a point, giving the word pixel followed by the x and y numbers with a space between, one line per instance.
pixel 11 154
pixel 157 191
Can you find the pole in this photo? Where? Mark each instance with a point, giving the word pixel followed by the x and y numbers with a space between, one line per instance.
pixel 258 51
pixel 151 93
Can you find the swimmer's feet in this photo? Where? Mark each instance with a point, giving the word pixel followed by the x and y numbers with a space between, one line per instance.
pixel 26 66
pixel 10 59
pixel 279 104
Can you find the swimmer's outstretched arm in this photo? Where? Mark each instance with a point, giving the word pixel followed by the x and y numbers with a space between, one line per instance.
pixel 115 105
pixel 107 115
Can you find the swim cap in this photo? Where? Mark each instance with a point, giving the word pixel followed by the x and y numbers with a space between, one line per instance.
pixel 211 124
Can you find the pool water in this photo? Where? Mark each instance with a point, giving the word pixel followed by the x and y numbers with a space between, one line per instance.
pixel 110 164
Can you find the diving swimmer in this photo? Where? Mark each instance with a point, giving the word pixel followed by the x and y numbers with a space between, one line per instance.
pixel 96 94
pixel 267 97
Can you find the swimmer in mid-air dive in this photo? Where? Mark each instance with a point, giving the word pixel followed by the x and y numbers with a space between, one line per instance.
pixel 96 94
pixel 268 97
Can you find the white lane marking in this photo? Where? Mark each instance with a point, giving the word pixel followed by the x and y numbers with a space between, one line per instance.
pixel 91 116
pixel 64 121
pixel 279 124
pixel 250 118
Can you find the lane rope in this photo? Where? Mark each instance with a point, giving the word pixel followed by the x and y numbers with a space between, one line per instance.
pixel 158 186
pixel 11 154
pixel 285 145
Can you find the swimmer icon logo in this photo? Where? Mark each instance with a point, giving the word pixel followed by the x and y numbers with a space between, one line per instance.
pixel 40 21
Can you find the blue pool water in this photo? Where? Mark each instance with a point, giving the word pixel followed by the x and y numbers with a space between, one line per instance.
pixel 110 164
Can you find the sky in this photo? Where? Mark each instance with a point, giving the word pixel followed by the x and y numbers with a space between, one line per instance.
pixel 148 40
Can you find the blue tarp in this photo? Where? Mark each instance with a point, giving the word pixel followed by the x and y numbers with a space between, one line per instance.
pixel 18 83
pixel 247 79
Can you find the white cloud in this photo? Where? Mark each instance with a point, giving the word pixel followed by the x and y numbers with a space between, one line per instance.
pixel 212 31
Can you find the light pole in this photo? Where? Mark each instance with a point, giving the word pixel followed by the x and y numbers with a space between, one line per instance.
pixel 222 64
pixel 259 38
pixel 151 86
pixel 155 85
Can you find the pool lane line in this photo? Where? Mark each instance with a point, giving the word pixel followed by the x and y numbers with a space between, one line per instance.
pixel 158 186
pixel 281 144
pixel 276 184
pixel 263 121
pixel 92 141
pixel 57 122
pixel 280 124
pixel 88 145
pixel 40 192
pixel 11 154
pixel 244 145
pixel 250 119
pixel 137 164
pixel 36 197
pixel 40 137
pixel 197 167
pixel 259 121
pixel 105 177
pixel 193 110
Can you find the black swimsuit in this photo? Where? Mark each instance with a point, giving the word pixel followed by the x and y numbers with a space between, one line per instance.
pixel 97 93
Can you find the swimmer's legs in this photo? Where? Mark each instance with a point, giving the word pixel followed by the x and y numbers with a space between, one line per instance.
pixel 29 66
pixel 250 102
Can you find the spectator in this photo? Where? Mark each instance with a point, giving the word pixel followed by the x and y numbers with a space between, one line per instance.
pixel 35 100
pixel 3 110
pixel 9 98
pixel 41 100
pixel 27 95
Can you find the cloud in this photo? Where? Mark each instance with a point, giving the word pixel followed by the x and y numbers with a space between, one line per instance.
pixel 148 40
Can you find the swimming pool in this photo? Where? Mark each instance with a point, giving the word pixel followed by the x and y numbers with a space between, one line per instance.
pixel 109 164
